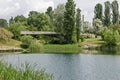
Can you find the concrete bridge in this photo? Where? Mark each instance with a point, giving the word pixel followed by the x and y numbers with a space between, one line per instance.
pixel 39 33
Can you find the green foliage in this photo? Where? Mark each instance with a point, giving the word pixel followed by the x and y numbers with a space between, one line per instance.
pixel 98 26
pixel 50 14
pixel 26 41
pixel 46 28
pixel 65 48
pixel 5 35
pixel 21 19
pixel 35 47
pixel 111 36
pixel 16 28
pixel 98 11
pixel 115 12
pixel 107 14
pixel 3 23
pixel 8 72
pixel 78 24
pixel 39 20
pixel 69 21
pixel 59 18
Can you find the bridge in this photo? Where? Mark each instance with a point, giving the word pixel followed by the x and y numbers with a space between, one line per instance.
pixel 38 33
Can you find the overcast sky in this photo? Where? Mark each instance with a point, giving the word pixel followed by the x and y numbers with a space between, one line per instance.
pixel 10 8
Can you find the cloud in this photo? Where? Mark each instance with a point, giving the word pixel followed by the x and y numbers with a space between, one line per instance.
pixel 10 8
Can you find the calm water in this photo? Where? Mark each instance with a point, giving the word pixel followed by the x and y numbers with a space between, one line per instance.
pixel 72 66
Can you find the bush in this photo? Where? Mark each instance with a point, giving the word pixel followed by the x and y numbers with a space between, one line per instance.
pixel 35 47
pixel 5 35
pixel 111 37
pixel 16 28
pixel 82 38
pixel 26 41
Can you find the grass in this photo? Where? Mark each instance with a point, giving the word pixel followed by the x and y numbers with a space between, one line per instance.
pixel 7 72
pixel 71 48
pixel 68 48
pixel 97 41
pixel 11 43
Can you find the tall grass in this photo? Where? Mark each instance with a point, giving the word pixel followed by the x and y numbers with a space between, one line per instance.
pixel 8 72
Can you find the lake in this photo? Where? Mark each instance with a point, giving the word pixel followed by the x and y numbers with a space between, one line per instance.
pixel 71 66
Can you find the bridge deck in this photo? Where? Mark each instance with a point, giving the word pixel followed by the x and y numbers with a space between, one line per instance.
pixel 38 33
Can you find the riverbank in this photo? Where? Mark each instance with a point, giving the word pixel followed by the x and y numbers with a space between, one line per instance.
pixel 10 46
pixel 8 72
pixel 73 48
pixel 13 46
pixel 56 48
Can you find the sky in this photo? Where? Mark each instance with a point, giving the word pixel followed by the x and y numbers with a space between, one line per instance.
pixel 12 8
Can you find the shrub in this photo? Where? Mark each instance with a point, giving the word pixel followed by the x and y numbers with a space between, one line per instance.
pixel 26 41
pixel 35 47
pixel 5 35
pixel 16 28
pixel 111 37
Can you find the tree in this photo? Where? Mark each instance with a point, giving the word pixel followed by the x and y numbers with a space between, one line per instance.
pixel 59 18
pixel 69 22
pixel 16 28
pixel 111 36
pixel 78 24
pixel 115 12
pixel 50 12
pixel 3 23
pixel 98 11
pixel 20 18
pixel 97 24
pixel 39 20
pixel 107 14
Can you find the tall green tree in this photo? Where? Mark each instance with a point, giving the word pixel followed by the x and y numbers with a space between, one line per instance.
pixel 21 19
pixel 50 12
pixel 98 11
pixel 78 24
pixel 107 14
pixel 3 23
pixel 40 21
pixel 69 22
pixel 59 18
pixel 115 12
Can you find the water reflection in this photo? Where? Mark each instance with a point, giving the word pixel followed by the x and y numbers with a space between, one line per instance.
pixel 72 66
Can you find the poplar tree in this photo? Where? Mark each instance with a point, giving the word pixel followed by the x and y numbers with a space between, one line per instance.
pixel 115 12
pixel 78 24
pixel 107 14
pixel 98 11
pixel 69 22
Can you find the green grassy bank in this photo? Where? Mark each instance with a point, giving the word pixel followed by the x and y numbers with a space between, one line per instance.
pixel 68 48
pixel 7 72
pixel 72 48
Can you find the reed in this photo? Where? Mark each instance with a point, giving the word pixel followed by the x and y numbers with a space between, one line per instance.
pixel 8 72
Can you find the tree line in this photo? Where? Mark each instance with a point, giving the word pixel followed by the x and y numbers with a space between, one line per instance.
pixel 65 19
pixel 111 13
pixel 107 25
